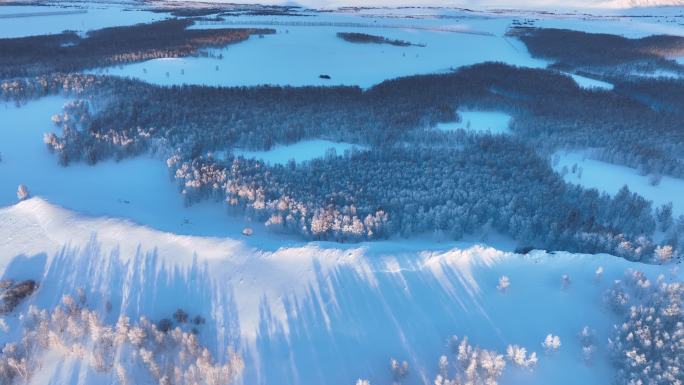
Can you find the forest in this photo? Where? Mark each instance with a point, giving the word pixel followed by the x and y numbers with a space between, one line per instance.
pixel 411 178
pixel 69 52
pixel 576 50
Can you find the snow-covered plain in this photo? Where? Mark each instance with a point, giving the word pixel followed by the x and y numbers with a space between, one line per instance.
pixel 299 152
pixel 19 21
pixel 317 313
pixel 493 122
pixel 610 178
pixel 298 54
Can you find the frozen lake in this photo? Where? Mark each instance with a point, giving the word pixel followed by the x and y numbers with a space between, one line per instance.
pixel 479 121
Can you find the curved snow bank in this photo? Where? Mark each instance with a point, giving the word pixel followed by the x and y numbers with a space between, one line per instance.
pixel 316 312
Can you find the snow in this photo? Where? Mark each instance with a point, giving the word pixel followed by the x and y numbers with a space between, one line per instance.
pixel 610 178
pixel 479 121
pixel 331 313
pixel 299 152
pixel 20 21
pixel 590 83
pixel 297 54
pixel 140 188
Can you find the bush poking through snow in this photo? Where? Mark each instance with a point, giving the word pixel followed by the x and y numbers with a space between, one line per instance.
pixel 504 284
pixel 399 370
pixel 181 316
pixel 598 275
pixel 551 344
pixel 565 281
pixel 587 338
pixel 23 192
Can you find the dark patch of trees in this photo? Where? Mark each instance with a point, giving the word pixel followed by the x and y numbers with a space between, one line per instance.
pixel 357 37
pixel 68 52
pixel 604 52
pixel 11 293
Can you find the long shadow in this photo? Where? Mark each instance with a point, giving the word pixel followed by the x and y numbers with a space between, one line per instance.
pixel 347 326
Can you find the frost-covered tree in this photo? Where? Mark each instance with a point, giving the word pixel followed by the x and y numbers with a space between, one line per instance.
pixel 663 254
pixel 518 356
pixel 551 343
pixel 23 192
pixel 504 283
pixel 647 346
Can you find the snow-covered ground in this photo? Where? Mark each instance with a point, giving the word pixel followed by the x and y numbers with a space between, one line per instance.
pixel 300 312
pixel 299 152
pixel 610 178
pixel 590 83
pixel 479 121
pixel 139 189
pixel 298 54
pixel 19 21
pixel 317 313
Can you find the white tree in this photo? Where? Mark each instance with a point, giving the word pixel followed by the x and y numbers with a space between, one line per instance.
pixel 551 343
pixel 518 356
pixel 23 192
pixel 362 382
pixel 504 284
pixel 663 254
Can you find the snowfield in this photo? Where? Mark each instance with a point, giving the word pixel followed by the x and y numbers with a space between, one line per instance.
pixel 480 121
pixel 299 152
pixel 306 47
pixel 300 314
pixel 590 83
pixel 19 21
pixel 610 178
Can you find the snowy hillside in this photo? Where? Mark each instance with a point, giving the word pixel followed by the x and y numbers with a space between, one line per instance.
pixel 359 306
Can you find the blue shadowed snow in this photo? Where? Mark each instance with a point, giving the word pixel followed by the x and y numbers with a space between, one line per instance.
pixel 299 152
pixel 480 121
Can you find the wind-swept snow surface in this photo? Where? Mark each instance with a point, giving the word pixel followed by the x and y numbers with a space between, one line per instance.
pixel 316 313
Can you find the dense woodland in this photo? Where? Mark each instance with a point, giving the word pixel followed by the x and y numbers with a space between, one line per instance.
pixel 411 178
pixel 68 52
pixel 357 37
pixel 602 52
